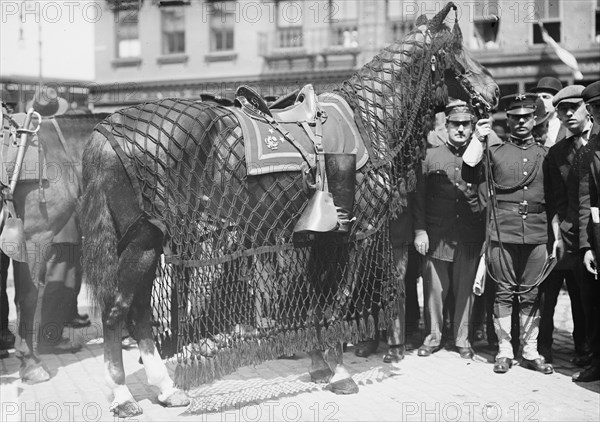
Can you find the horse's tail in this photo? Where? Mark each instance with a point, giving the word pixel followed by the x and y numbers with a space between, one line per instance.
pixel 100 259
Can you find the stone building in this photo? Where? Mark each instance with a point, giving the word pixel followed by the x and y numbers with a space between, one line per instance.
pixel 149 49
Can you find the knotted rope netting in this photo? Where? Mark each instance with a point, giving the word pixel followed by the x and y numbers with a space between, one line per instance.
pixel 236 286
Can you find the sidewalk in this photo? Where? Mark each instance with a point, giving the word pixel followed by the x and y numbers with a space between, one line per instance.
pixel 442 387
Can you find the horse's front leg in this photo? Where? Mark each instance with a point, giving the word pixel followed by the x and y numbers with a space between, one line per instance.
pixel 341 382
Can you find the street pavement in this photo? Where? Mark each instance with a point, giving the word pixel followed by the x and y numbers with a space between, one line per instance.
pixel 442 387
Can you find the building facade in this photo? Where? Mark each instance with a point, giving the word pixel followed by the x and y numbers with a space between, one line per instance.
pixel 152 49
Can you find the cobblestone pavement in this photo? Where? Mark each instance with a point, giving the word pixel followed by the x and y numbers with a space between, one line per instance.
pixel 442 387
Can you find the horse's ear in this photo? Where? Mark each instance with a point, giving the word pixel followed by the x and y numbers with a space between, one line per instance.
pixel 437 22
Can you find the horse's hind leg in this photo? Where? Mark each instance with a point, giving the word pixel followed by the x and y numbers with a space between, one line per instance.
pixel 141 317
pixel 135 272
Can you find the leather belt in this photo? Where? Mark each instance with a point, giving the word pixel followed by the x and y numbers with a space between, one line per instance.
pixel 522 208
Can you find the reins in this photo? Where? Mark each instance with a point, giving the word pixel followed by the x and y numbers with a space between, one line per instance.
pixel 482 109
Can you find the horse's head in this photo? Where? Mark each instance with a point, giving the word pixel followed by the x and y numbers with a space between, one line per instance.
pixel 463 76
pixel 397 93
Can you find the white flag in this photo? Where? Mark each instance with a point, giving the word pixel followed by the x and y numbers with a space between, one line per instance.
pixel 566 57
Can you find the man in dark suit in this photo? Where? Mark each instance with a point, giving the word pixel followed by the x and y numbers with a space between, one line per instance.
pixel 449 231
pixel 518 228
pixel 589 232
pixel 563 211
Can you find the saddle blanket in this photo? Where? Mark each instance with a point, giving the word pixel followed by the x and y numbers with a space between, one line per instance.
pixel 30 169
pixel 267 151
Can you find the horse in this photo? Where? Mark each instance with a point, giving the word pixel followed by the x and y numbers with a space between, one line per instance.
pixel 169 177
pixel 45 199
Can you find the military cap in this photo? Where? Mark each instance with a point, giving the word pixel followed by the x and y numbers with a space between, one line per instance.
pixel 569 94
pixel 458 111
pixel 542 113
pixel 548 84
pixel 519 104
pixel 591 93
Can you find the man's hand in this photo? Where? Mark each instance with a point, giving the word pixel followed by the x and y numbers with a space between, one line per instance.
pixel 589 260
pixel 421 241
pixel 483 128
pixel 558 249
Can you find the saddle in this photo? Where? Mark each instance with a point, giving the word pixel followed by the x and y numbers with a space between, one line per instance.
pixel 322 132
pixel 302 109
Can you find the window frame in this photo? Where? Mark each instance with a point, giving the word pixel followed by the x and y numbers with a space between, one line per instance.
pixel 548 20
pixel 165 40
pixel 120 38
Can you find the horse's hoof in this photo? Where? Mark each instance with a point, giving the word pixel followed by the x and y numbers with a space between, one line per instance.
pixel 176 399
pixel 345 386
pixel 126 410
pixel 34 374
pixel 321 376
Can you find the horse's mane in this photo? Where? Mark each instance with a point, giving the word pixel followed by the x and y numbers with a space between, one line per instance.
pixel 395 95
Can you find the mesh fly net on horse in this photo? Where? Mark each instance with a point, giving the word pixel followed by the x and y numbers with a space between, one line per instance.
pixel 239 286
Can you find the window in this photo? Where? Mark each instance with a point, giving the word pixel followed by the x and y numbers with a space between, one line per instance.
pixel 485 25
pixel 400 20
pixel 289 24
pixel 548 13
pixel 173 31
pixel 221 29
pixel 597 33
pixel 344 30
pixel 128 42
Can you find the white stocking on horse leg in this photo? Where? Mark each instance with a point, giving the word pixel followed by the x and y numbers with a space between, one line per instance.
pixel 158 376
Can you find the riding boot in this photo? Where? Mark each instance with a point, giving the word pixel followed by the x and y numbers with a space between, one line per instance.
pixel 502 326
pixel 341 179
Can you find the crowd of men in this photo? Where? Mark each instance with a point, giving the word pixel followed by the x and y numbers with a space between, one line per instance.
pixel 525 208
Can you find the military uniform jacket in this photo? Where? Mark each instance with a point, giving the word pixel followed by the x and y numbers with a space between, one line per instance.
pixel 445 205
pixel 520 171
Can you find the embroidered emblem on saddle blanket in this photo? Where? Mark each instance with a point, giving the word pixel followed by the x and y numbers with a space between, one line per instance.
pixel 30 169
pixel 267 151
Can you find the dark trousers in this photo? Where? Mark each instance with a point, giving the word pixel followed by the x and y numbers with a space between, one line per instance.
pixel 589 288
pixel 62 271
pixel 444 281
pixel 515 274
pixel 4 263
pixel 413 272
pixel 549 291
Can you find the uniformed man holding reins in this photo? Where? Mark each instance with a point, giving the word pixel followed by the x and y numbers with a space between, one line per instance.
pixel 517 258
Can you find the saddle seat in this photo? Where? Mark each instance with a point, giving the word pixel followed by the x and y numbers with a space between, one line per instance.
pixel 303 109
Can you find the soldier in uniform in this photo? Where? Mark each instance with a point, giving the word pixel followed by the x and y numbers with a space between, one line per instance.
pixel 518 227
pixel 449 231
pixel 589 243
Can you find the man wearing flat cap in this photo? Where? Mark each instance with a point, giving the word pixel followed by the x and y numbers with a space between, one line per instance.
pixel 517 256
pixel 589 243
pixel 563 211
pixel 546 89
pixel 449 232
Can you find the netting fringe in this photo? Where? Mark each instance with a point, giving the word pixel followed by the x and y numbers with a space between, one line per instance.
pixel 197 370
